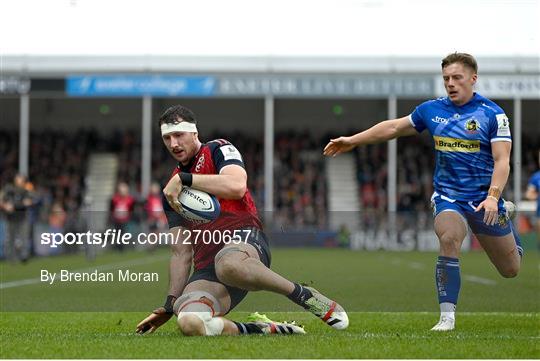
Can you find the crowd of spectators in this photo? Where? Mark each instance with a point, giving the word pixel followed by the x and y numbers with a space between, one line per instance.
pixel 55 181
pixel 415 163
pixel 58 164
pixel 300 197
pixel 300 188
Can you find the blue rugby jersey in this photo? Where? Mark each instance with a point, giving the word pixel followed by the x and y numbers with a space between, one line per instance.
pixel 462 137
pixel 535 183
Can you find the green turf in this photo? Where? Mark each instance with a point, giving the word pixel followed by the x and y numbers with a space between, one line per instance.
pixel 371 335
pixel 390 297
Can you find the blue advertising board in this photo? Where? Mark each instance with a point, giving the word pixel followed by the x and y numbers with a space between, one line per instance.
pixel 140 85
pixel 248 85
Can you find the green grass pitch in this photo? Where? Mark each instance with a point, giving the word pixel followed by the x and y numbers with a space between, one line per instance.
pixel 390 297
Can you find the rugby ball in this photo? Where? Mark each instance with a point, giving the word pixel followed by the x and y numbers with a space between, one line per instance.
pixel 198 206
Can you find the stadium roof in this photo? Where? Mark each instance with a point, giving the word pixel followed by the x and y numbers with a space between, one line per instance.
pixel 65 65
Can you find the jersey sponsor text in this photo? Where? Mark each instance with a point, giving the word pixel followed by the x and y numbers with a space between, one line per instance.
pixel 446 144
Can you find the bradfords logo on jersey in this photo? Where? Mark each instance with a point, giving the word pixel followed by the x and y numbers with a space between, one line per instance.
pixel 456 145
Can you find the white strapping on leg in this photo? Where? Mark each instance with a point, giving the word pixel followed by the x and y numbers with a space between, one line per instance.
pixel 204 306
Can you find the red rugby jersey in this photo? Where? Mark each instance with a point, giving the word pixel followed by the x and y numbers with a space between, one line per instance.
pixel 121 208
pixel 235 213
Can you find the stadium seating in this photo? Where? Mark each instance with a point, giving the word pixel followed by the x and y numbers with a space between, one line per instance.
pixel 300 195
pixel 58 165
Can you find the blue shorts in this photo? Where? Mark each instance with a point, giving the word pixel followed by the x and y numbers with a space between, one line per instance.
pixel 475 220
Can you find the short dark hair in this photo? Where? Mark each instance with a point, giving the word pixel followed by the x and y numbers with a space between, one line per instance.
pixel 463 58
pixel 177 113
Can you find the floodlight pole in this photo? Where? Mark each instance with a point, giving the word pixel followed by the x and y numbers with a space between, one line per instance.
pixel 517 149
pixel 268 156
pixel 24 127
pixel 146 162
pixel 392 173
pixel 392 160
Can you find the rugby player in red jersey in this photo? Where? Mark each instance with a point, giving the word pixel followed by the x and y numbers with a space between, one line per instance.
pixel 223 273
pixel 121 208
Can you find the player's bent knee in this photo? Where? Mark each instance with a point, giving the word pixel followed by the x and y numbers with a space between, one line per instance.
pixel 191 325
pixel 200 324
pixel 448 239
pixel 196 312
pixel 510 272
pixel 449 242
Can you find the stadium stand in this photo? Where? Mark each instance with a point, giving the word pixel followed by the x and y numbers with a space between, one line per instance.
pixel 300 198
pixel 58 165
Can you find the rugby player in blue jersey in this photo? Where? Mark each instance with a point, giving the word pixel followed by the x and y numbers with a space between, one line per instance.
pixel 472 142
pixel 533 194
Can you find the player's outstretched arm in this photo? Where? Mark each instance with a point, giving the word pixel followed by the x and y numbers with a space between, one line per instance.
pixel 381 132
pixel 179 269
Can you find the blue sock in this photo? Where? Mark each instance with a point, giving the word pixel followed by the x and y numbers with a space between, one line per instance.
pixel 517 239
pixel 448 279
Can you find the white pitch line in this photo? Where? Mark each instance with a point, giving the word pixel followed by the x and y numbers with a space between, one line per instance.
pixel 372 335
pixel 417 265
pixel 105 267
pixel 481 280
